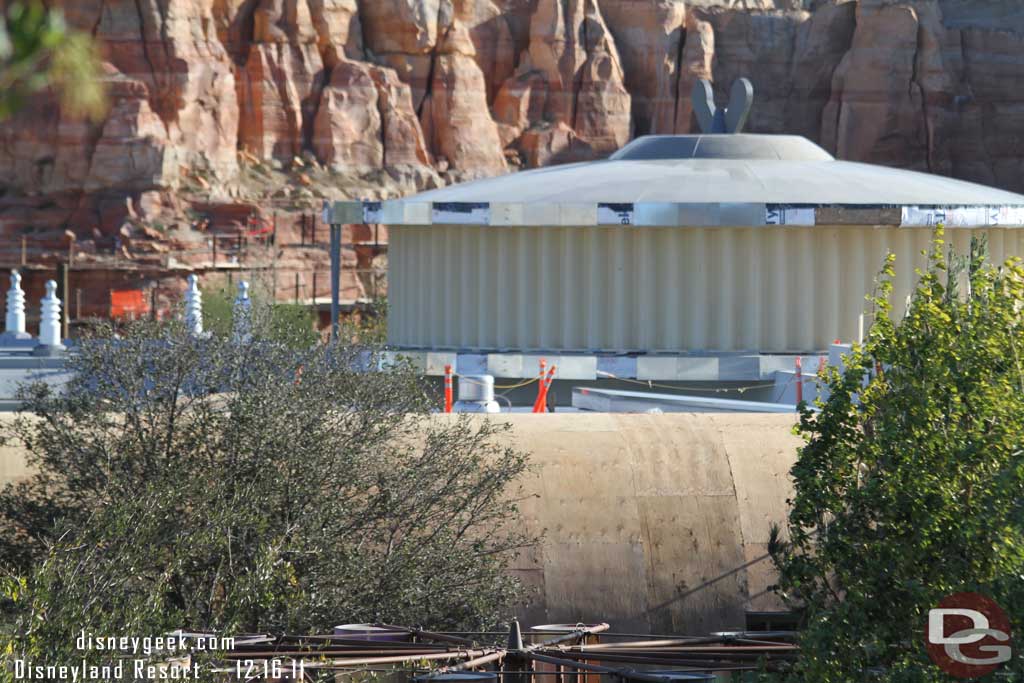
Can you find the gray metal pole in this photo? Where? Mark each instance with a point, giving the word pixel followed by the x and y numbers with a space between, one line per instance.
pixel 64 294
pixel 335 278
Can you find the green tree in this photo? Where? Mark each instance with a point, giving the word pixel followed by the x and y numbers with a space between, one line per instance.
pixel 38 51
pixel 911 484
pixel 201 484
pixel 287 323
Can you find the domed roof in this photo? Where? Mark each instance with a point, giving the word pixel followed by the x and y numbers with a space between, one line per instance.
pixel 721 146
pixel 768 169
pixel 720 178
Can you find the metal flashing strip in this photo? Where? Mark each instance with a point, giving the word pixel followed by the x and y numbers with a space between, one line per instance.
pixel 407 213
pixel 372 212
pixel 454 213
pixel 668 214
pixel 963 216
pixel 780 214
pixel 615 214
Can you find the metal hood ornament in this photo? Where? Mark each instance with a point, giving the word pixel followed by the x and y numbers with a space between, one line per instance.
pixel 728 120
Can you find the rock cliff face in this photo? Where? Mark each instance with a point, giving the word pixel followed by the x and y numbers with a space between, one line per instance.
pixel 452 88
pixel 294 100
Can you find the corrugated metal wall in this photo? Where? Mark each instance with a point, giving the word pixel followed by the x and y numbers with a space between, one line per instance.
pixel 770 289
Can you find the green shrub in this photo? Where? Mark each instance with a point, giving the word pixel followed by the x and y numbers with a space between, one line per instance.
pixel 911 484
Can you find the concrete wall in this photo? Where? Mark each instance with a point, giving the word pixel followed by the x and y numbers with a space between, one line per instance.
pixel 12 456
pixel 651 522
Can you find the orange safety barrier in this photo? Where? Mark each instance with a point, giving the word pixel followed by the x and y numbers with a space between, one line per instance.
pixel 542 399
pixel 128 303
pixel 448 388
pixel 540 383
pixel 799 380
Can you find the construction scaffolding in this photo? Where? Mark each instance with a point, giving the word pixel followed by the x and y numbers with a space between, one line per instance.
pixel 554 653
pixel 100 280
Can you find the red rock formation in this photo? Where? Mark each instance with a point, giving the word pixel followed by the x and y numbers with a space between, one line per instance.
pixel 916 93
pixel 495 46
pixel 281 80
pixel 454 113
pixel 347 129
pixel 133 151
pixel 876 109
pixel 650 38
pixel 821 42
pixel 989 104
pixel 403 138
pixel 697 57
pixel 570 75
pixel 430 48
pixel 374 84
pixel 287 101
pixel 365 120
pixel 177 54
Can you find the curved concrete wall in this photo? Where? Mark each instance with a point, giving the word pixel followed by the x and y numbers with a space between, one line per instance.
pixel 12 455
pixel 653 523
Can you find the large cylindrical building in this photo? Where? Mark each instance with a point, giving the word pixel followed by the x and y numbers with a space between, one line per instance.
pixel 684 244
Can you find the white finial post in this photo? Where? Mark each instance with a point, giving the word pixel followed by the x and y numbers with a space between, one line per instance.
pixel 15 324
pixel 50 323
pixel 241 315
pixel 194 306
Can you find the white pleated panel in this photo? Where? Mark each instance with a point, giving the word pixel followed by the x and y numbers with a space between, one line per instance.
pixel 619 288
